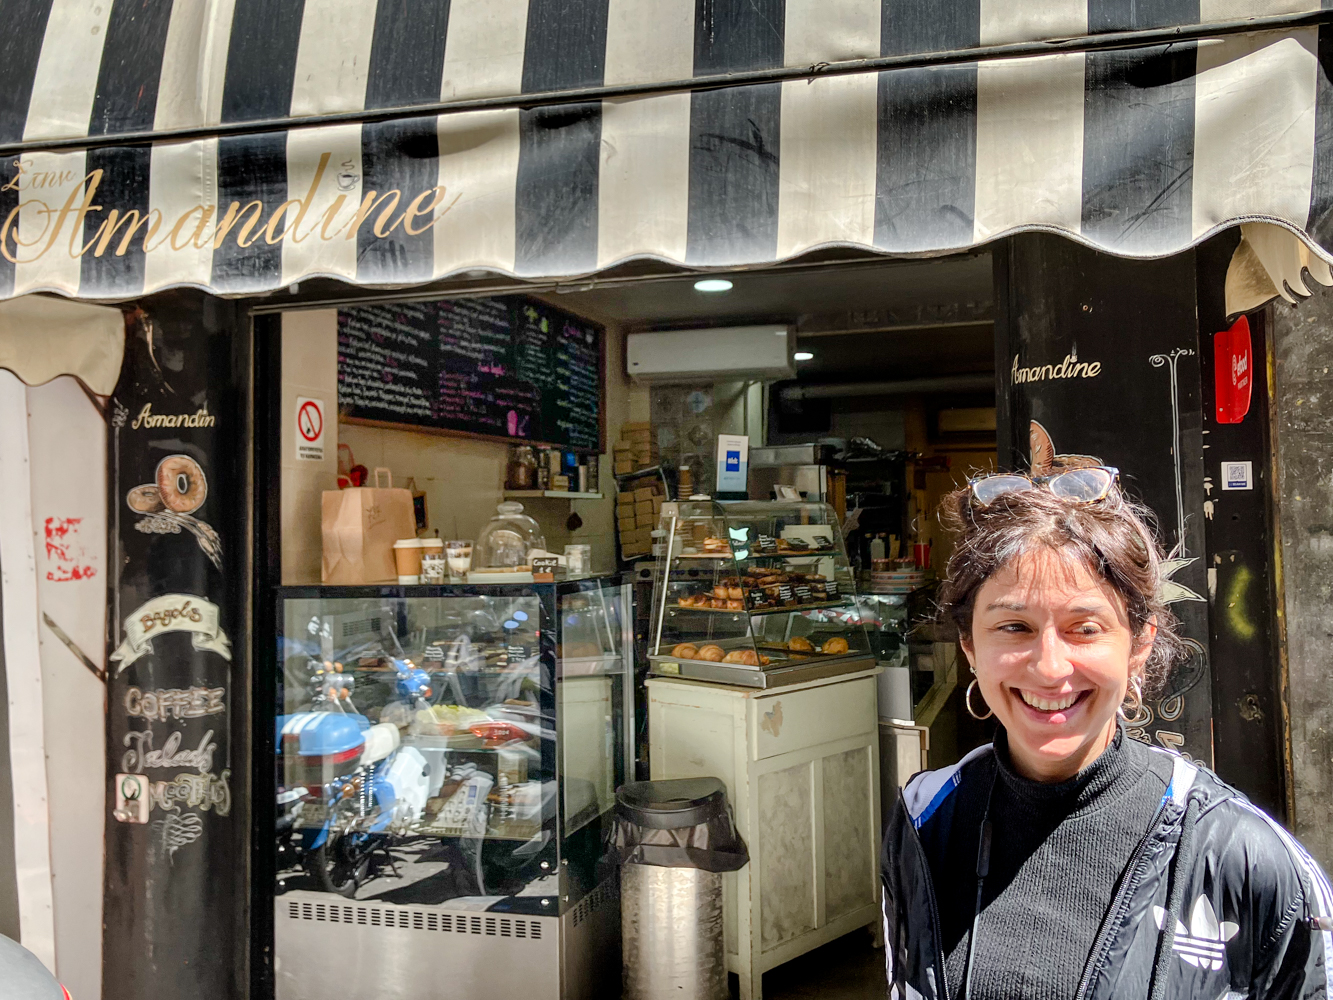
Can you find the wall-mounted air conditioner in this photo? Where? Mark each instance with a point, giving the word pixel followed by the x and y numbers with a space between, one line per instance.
pixel 729 354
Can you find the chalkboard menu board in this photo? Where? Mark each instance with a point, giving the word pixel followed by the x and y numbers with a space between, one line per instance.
pixel 507 367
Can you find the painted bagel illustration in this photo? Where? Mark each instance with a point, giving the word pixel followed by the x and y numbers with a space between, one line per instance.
pixel 181 484
pixel 144 499
pixel 168 505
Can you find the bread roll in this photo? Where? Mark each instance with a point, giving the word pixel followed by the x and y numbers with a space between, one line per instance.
pixel 735 594
pixel 720 592
pixel 801 644
pixel 711 653
pixel 746 656
pixel 686 651
pixel 835 645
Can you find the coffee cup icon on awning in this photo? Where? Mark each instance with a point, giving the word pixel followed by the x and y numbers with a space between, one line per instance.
pixel 169 502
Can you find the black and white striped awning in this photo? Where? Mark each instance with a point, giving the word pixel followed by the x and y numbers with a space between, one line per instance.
pixel 244 145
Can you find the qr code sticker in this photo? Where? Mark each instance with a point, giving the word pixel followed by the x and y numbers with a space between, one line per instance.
pixel 1237 475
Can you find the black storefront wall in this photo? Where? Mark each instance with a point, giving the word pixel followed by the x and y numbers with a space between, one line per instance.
pixel 1249 730
pixel 1098 359
pixel 177 698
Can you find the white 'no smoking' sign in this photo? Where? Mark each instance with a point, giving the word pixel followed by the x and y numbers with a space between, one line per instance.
pixel 309 429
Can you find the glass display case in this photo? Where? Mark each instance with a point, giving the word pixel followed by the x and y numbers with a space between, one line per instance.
pixel 756 594
pixel 444 751
pixel 901 634
pixel 507 539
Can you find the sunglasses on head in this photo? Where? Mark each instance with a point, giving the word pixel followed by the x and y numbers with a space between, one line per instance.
pixel 1077 485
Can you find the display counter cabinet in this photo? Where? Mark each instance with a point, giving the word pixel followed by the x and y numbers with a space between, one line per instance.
pixel 801 766
pixel 446 758
pixel 755 594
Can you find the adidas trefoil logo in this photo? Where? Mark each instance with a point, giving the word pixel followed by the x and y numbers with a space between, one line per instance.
pixel 1200 944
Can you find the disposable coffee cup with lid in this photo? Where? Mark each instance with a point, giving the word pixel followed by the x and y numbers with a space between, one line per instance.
pixel 407 556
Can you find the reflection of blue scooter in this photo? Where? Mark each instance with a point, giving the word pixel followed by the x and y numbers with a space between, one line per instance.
pixel 347 784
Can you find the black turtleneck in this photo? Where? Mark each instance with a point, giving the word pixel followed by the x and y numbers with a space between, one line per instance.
pixel 1057 853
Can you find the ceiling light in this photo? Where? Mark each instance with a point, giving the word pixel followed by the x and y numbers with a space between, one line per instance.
pixel 712 285
pixel 803 356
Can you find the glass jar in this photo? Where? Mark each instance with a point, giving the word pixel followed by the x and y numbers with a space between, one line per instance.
pixel 521 473
pixel 507 539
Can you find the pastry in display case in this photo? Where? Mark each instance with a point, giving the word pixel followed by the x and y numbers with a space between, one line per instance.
pixel 443 750
pixel 756 594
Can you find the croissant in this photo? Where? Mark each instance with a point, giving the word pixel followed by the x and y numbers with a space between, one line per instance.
pixel 746 656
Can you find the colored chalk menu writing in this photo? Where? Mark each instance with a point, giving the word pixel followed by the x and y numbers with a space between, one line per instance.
pixel 505 367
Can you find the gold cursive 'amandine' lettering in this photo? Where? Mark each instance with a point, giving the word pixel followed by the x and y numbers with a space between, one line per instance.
pixel 33 227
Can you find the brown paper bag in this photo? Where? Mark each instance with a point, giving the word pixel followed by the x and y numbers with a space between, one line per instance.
pixel 360 525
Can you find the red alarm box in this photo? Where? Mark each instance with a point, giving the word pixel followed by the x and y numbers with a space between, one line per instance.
pixel 1233 372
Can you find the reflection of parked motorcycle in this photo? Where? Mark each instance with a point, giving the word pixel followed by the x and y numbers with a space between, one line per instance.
pixel 348 787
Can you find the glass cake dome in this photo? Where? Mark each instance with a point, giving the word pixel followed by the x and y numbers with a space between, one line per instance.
pixel 507 539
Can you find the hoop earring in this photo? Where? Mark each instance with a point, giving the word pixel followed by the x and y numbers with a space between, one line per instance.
pixel 1134 698
pixel 967 701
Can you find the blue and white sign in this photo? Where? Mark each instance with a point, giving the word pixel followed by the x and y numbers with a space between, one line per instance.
pixel 1237 475
pixel 733 461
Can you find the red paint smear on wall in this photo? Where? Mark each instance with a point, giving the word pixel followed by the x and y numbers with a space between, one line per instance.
pixel 65 551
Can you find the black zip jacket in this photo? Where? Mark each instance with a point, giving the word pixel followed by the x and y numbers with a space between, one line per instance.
pixel 1217 900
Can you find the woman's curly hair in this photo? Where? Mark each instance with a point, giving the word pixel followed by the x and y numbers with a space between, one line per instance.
pixel 1113 537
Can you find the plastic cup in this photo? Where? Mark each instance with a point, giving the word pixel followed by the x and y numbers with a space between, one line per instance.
pixel 458 554
pixel 578 560
pixel 432 567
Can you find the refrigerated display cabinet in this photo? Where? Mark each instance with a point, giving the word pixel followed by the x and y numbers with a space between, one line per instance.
pixel 445 759
pixel 756 594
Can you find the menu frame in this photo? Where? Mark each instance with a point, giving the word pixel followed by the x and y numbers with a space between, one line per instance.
pixel 347 417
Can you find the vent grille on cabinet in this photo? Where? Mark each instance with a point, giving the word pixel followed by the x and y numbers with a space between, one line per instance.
pixel 420 920
pixel 593 902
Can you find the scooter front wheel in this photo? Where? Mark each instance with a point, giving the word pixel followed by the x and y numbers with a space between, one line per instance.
pixel 339 866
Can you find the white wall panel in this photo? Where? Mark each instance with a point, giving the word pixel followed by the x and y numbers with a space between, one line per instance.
pixel 67 447
pixel 23 678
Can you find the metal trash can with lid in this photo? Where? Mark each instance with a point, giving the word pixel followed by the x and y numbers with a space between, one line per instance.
pixel 674 839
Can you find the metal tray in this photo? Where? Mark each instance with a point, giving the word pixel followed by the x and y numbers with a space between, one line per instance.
pixel 823 606
pixel 774 675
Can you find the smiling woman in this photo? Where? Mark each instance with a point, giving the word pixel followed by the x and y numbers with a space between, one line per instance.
pixel 1055 601
pixel 1068 860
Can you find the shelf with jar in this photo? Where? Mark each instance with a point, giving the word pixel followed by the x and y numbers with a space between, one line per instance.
pixel 549 494
pixel 533 471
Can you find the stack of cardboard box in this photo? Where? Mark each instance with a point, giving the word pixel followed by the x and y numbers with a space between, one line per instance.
pixel 635 450
pixel 637 514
